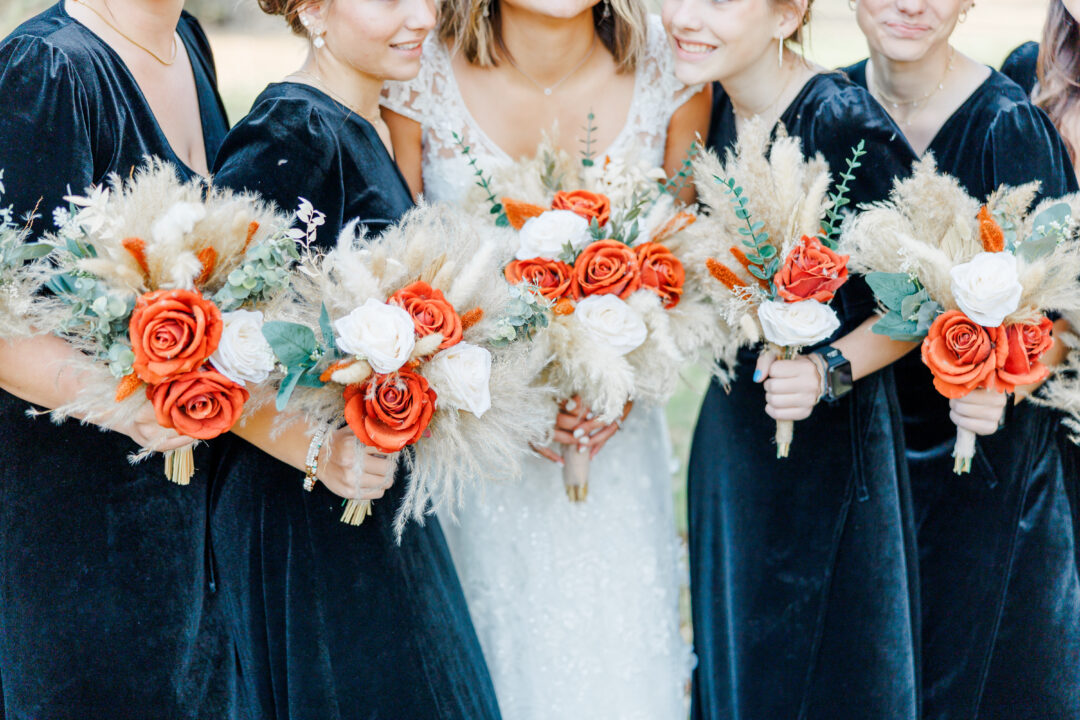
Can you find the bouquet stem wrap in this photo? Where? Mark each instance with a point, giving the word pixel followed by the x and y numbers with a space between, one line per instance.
pixel 785 429
pixel 180 465
pixel 576 473
pixel 963 451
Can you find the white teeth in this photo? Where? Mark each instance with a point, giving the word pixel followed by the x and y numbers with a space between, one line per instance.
pixel 408 46
pixel 697 48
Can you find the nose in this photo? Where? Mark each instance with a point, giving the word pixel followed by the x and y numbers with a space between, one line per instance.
pixel 682 15
pixel 421 15
pixel 911 7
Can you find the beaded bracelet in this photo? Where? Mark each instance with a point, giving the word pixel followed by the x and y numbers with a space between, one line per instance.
pixel 311 462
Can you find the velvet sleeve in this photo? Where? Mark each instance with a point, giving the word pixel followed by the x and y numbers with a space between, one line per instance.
pixel 1023 146
pixel 1021 66
pixel 47 133
pixel 283 150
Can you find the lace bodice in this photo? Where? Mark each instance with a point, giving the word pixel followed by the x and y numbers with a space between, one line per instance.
pixel 434 100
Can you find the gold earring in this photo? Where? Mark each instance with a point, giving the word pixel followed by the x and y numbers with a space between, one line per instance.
pixel 963 14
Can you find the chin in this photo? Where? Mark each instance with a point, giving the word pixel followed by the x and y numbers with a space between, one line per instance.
pixel 561 9
pixel 904 51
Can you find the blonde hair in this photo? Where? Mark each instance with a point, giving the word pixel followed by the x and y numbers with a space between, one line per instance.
pixel 475 28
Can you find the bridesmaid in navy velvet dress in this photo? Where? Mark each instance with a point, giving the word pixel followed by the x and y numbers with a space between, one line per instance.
pixel 103 609
pixel 334 621
pixel 998 565
pixel 802 584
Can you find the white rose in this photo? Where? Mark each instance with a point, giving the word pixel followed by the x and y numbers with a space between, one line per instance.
pixel 797 324
pixel 987 288
pixel 545 235
pixel 382 334
pixel 461 376
pixel 612 322
pixel 243 355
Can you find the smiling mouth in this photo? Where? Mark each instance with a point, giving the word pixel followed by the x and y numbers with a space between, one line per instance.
pixel 692 48
pixel 407 47
pixel 908 31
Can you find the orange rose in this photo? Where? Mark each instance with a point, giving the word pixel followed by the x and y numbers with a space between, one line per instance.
pixel 811 272
pixel 661 272
pixel 388 412
pixel 201 404
pixel 961 354
pixel 551 276
pixel 172 332
pixel 606 267
pixel 1026 343
pixel 586 204
pixel 430 311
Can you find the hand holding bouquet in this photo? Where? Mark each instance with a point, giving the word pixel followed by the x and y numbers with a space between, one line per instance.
pixel 973 283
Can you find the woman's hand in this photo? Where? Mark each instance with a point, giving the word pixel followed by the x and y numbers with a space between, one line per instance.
pixel 978 412
pixel 353 471
pixel 792 387
pixel 146 432
pixel 577 425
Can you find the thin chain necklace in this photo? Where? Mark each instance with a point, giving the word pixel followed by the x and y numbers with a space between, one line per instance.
pixel 376 120
pixel 919 103
pixel 133 41
pixel 758 113
pixel 551 89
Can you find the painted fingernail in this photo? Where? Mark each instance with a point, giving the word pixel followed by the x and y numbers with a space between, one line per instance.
pixel 581 449
pixel 571 404
pixel 583 440
pixel 590 416
pixel 757 376
pixel 579 433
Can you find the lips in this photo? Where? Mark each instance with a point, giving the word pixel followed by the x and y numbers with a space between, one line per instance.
pixel 907 30
pixel 691 50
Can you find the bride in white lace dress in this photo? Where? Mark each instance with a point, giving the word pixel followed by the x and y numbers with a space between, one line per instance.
pixel 575 604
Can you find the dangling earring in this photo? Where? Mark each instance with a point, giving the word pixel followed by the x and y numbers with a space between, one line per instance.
pixel 487 8
pixel 318 41
pixel 607 10
pixel 963 16
pixel 780 52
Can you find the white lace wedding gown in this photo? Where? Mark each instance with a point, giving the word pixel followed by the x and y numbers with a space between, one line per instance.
pixel 576 605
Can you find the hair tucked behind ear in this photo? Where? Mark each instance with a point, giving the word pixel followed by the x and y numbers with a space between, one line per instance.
pixel 290 9
pixel 1059 70
pixel 797 36
pixel 475 28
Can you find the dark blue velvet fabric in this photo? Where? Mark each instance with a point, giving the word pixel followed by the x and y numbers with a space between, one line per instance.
pixel 333 622
pixel 802 570
pixel 997 548
pixel 1022 66
pixel 103 607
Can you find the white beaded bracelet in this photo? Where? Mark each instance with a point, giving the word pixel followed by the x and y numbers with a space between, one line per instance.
pixel 311 462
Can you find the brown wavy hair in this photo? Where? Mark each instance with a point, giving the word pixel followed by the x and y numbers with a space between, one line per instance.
pixel 289 9
pixel 1058 92
pixel 463 24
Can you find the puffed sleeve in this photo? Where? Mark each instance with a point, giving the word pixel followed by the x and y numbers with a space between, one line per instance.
pixel 1022 146
pixel 46 129
pixel 1021 66
pixel 283 150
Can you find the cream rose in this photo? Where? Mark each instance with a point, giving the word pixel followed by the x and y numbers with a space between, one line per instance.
pixel 797 324
pixel 546 234
pixel 243 355
pixel 611 322
pixel 382 334
pixel 461 376
pixel 987 288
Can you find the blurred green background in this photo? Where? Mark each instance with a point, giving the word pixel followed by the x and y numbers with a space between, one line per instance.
pixel 252 50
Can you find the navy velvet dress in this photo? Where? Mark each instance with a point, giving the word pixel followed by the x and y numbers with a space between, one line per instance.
pixel 333 621
pixel 802 577
pixel 103 607
pixel 998 562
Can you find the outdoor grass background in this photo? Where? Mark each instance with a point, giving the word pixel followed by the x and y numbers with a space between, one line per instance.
pixel 252 50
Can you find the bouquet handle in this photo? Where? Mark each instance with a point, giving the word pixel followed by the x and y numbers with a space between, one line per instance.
pixel 576 473
pixel 785 431
pixel 963 451
pixel 356 512
pixel 180 465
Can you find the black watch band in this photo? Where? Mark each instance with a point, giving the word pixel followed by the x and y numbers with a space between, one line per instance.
pixel 838 380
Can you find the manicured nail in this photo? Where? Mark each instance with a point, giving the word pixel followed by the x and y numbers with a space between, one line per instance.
pixel 571 404
pixel 581 449
pixel 560 461
pixel 757 376
pixel 590 416
pixel 584 440
pixel 579 433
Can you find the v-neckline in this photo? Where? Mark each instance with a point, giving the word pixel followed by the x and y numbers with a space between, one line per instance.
pixel 956 114
pixel 489 142
pixel 196 75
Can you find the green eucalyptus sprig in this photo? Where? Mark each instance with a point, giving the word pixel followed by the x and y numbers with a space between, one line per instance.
pixel 834 217
pixel 763 257
pixel 527 312
pixel 484 182
pixel 675 184
pixel 588 155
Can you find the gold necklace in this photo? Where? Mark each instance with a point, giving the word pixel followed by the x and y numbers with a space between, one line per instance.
pixel 133 41
pixel 377 120
pixel 552 88
pixel 918 103
pixel 761 112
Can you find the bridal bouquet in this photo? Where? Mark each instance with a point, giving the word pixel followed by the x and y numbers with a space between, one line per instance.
pixel 406 338
pixel 769 263
pixel 593 238
pixel 16 285
pixel 158 282
pixel 972 282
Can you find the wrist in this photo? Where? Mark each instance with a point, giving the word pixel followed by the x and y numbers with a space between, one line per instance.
pixel 822 370
pixel 836 374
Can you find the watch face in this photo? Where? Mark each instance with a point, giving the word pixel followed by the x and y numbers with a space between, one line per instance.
pixel 840 382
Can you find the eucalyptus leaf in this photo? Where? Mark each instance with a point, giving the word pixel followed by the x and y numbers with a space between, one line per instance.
pixel 891 288
pixel 285 391
pixel 327 329
pixel 897 328
pixel 294 345
pixel 30 251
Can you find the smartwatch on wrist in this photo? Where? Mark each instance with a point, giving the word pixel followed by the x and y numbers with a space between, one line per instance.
pixel 838 382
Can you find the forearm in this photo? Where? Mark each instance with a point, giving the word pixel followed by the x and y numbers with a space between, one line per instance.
pixel 868 351
pixel 40 370
pixel 289 444
pixel 1052 358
